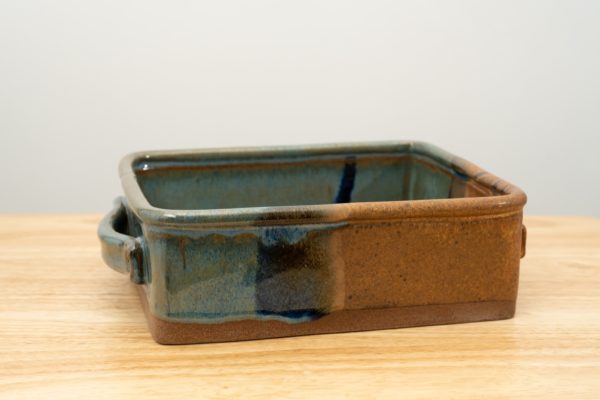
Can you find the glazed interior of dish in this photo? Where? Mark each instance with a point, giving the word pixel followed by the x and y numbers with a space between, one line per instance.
pixel 201 184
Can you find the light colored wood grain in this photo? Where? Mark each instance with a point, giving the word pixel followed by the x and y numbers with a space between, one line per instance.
pixel 72 328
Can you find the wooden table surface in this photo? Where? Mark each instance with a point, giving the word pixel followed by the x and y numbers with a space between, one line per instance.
pixel 72 328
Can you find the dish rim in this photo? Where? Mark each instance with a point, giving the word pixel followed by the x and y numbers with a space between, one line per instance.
pixel 510 200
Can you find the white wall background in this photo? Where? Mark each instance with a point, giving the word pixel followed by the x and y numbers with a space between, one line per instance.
pixel 511 85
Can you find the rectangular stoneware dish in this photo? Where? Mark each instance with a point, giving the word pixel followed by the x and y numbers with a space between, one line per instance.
pixel 237 244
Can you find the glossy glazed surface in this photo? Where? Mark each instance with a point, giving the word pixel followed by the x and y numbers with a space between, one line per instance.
pixel 299 236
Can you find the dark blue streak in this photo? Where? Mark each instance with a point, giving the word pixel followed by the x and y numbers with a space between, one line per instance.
pixel 308 314
pixel 347 184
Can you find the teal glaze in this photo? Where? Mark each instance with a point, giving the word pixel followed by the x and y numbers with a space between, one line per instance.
pixel 250 234
pixel 283 273
pixel 302 181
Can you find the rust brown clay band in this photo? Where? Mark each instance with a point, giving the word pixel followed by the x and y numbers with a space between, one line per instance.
pixel 167 332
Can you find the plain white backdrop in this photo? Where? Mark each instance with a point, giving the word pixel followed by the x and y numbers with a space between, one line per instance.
pixel 511 85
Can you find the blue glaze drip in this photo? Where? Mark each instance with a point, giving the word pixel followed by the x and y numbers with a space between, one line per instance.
pixel 347 183
pixel 298 315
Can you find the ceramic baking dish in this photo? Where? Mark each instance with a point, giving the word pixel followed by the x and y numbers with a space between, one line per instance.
pixel 236 244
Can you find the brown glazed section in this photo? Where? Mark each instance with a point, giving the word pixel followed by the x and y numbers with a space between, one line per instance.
pixel 443 261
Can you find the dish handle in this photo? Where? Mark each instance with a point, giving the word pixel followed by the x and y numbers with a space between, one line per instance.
pixel 120 251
